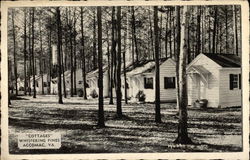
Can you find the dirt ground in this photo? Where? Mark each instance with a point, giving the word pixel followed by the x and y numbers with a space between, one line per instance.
pixel 210 130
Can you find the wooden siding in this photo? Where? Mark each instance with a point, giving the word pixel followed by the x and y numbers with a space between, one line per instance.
pixel 167 69
pixel 229 97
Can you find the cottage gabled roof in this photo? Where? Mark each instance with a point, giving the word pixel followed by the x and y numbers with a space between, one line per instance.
pixel 225 60
pixel 146 66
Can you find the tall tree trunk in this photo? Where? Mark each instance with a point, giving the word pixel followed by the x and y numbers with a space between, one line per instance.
pixel 118 71
pixel 109 63
pixel 209 30
pixel 71 62
pixel 134 34
pixel 203 32
pixel 226 28
pixel 50 57
pixel 100 72
pixel 9 80
pixel 182 127
pixel 33 56
pixel 30 53
pixel 151 33
pixel 198 33
pixel 14 50
pixel 83 58
pixel 112 57
pixel 166 36
pixel 160 32
pixel 63 70
pixel 124 62
pixel 74 70
pixel 94 42
pixel 59 38
pixel 41 53
pixel 174 33
pixel 157 69
pixel 214 29
pixel 170 35
pixel 178 46
pixel 25 53
pixel 235 30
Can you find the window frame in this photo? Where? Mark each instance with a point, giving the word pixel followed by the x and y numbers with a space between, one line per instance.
pixel 148 85
pixel 172 85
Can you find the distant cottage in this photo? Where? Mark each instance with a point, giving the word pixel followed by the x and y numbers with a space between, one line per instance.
pixel 92 80
pixel 38 83
pixel 215 77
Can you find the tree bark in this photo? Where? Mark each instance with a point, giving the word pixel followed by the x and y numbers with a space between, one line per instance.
pixel 83 58
pixel 134 34
pixel 160 32
pixel 59 38
pixel 124 62
pixel 198 33
pixel 151 34
pixel 182 126
pixel 74 70
pixel 50 56
pixel 30 53
pixel 94 42
pixel 100 72
pixel 63 69
pixel 166 36
pixel 170 35
pixel 71 61
pixel 157 69
pixel 14 51
pixel 118 71
pixel 178 46
pixel 33 57
pixel 235 31
pixel 214 29
pixel 112 57
pixel 41 53
pixel 25 53
pixel 226 28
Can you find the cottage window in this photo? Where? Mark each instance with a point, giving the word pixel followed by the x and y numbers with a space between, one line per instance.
pixel 37 84
pixel 45 84
pixel 148 83
pixel 169 82
pixel 235 81
pixel 79 82
pixel 86 85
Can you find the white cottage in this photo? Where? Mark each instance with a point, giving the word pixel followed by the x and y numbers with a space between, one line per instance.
pixel 38 83
pixel 92 80
pixel 215 77
pixel 67 75
pixel 142 78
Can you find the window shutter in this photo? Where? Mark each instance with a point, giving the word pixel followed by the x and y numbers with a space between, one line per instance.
pixel 239 81
pixel 165 82
pixel 231 77
pixel 174 82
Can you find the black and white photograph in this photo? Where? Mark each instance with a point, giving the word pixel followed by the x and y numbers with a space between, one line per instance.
pixel 89 79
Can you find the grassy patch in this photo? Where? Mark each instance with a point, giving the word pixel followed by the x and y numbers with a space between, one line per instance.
pixel 136 132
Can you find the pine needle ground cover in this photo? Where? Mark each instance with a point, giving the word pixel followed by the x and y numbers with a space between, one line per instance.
pixel 212 130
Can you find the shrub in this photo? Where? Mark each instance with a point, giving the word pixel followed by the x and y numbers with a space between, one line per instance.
pixel 94 94
pixel 140 96
pixel 21 88
pixel 80 93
